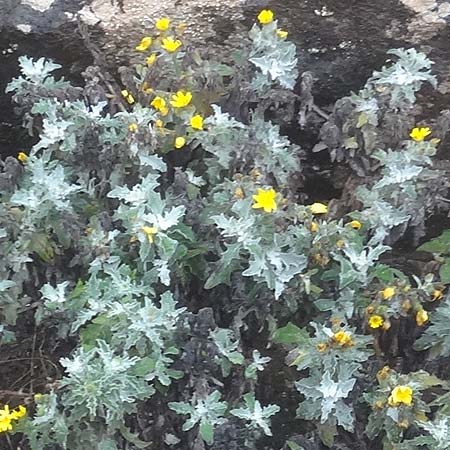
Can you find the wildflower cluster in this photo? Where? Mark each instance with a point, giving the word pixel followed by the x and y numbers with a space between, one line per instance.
pixel 173 247
pixel 398 404
pixel 9 417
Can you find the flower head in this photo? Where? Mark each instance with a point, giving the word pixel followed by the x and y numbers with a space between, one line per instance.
pixel 180 142
pixel 421 317
pixel 146 88
pixel 158 103
pixel 18 413
pixel 375 321
pixel 321 347
pixel 150 233
pixel 239 193
pixel 265 16
pixel 282 34
pixel 162 24
pixel 150 60
pixel 419 134
pixel 170 44
pixel 197 122
pixel 342 338
pixel 388 292
pixel 266 199
pixel 22 157
pixel 144 44
pixel 383 373
pixel 355 224
pixel 7 416
pixel 399 395
pixel 133 127
pixel 437 294
pixel 127 96
pixel 318 208
pixel 181 99
pixel 314 227
pixel 340 243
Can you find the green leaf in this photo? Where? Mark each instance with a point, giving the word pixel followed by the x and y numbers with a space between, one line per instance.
pixel 207 431
pixel 294 446
pixel 327 433
pixel 42 245
pixel 227 265
pixel 444 271
pixel 441 244
pixel 144 366
pixel 290 334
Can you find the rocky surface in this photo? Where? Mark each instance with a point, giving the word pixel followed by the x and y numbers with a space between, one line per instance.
pixel 340 42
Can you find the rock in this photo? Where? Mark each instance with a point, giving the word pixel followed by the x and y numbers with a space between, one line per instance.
pixel 341 43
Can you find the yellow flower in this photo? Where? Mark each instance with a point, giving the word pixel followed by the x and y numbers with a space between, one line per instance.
pixel 400 394
pixel 5 424
pixel 265 16
pixel 158 103
pixel 37 397
pixel 150 60
pixel 322 347
pixel 181 99
pixel 265 198
pixel 7 416
pixel 159 123
pixel 144 44
pixel 318 208
pixel 419 134
pixel 375 321
pixel 170 44
pixel 342 338
pixel 314 227
pixel 388 293
pixel 197 122
pixel 180 142
pixel 133 127
pixel 150 233
pixel 421 317
pixel 437 294
pixel 18 413
pixel 162 24
pixel 127 96
pixel 282 34
pixel 356 224
pixel 22 157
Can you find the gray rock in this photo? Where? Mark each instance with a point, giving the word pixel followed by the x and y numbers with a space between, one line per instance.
pixel 340 43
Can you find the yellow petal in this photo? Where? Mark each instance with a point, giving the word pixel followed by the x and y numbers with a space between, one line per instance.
pixel 162 24
pixel 318 208
pixel 180 142
pixel 145 43
pixel 265 16
pixel 197 122
pixel 22 157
